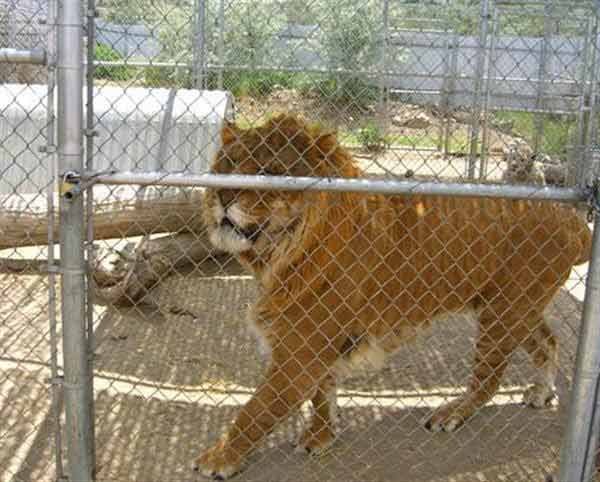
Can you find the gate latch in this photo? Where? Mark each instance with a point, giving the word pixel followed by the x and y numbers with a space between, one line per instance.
pixel 70 185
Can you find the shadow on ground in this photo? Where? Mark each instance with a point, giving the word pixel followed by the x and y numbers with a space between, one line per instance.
pixel 167 384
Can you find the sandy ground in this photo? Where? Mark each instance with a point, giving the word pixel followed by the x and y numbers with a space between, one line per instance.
pixel 167 385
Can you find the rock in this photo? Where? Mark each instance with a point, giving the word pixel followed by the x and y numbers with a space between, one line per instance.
pixel 497 148
pixel 521 166
pixel 463 117
pixel 418 121
pixel 397 120
pixel 505 125
pixel 524 174
pixel 555 174
pixel 517 150
pixel 525 167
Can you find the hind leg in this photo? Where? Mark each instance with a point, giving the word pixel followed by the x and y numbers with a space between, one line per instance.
pixel 543 349
pixel 497 339
pixel 321 433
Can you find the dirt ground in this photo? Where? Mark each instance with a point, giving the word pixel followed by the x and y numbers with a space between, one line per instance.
pixel 399 118
pixel 166 385
pixel 415 134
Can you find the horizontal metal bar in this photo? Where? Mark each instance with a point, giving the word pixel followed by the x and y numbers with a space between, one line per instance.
pixel 380 186
pixel 18 56
pixel 535 10
pixel 578 3
pixel 373 73
pixel 428 20
pixel 400 31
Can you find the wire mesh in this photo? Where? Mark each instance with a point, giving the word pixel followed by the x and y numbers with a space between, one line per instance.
pixel 435 95
pixel 30 374
pixel 491 92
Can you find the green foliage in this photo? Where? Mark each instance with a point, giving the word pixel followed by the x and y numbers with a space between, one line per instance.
pixel 251 26
pixel 461 16
pixel 173 25
pixel 349 41
pixel 349 34
pixel 118 11
pixel 168 77
pixel 255 83
pixel 464 17
pixel 150 12
pixel 371 137
pixel 558 130
pixel 115 73
pixel 300 12
pixel 346 89
pixel 175 29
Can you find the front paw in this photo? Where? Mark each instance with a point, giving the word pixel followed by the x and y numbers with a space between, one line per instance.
pixel 316 442
pixel 538 396
pixel 219 462
pixel 449 417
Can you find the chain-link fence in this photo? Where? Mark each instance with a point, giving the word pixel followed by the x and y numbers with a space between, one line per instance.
pixel 393 200
pixel 30 372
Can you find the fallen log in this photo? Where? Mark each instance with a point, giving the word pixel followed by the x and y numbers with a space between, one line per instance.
pixel 25 266
pixel 24 222
pixel 138 269
pixel 131 273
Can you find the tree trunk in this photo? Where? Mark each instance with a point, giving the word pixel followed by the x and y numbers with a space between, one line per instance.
pixel 22 224
pixel 137 269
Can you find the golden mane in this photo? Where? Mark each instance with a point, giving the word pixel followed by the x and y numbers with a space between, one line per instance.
pixel 319 149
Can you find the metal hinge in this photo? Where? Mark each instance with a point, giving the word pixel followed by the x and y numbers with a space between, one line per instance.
pixel 48 149
pixel 54 268
pixel 57 380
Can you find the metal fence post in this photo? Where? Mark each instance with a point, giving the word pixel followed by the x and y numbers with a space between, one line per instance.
pixel 70 158
pixel 592 134
pixel 478 80
pixel 444 91
pixel 89 250
pixel 577 461
pixel 540 100
pixel 580 158
pixel 220 44
pixel 383 65
pixel 483 164
pixel 451 89
pixel 199 45
pixel 56 389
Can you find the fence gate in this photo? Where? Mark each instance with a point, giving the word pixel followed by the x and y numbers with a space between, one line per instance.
pixel 146 356
pixel 31 372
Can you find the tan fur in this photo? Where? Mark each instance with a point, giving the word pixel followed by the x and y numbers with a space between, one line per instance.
pixel 346 277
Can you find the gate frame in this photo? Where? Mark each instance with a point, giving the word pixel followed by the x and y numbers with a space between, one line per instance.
pixel 579 443
pixel 77 366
